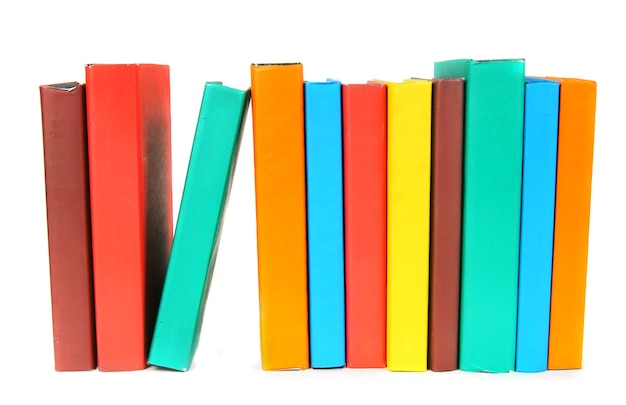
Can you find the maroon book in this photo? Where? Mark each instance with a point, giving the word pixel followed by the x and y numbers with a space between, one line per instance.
pixel 69 231
pixel 446 206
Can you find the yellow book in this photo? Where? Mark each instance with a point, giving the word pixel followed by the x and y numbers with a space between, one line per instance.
pixel 408 223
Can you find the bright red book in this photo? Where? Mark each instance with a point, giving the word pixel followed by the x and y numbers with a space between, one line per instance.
pixel 128 117
pixel 69 230
pixel 365 216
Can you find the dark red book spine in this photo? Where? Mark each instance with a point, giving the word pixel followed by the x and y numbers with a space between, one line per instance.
pixel 69 230
pixel 446 207
pixel 365 221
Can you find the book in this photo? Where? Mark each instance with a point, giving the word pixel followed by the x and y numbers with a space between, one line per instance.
pixel 130 168
pixel 280 192
pixel 445 226
pixel 364 108
pixel 492 175
pixel 196 239
pixel 577 111
pixel 408 223
pixel 541 115
pixel 66 170
pixel 324 197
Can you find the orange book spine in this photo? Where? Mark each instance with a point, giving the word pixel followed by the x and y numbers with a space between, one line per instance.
pixel 571 222
pixel 280 186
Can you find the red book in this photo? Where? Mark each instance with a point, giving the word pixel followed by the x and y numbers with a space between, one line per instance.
pixel 69 230
pixel 446 207
pixel 128 116
pixel 365 216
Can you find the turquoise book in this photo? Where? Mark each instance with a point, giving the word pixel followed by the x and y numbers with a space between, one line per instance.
pixel 492 175
pixel 541 126
pixel 196 238
pixel 325 232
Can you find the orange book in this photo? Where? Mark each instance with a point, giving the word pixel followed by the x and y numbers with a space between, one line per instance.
pixel 130 173
pixel 571 222
pixel 279 168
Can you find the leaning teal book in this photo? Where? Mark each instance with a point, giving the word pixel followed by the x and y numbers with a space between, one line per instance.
pixel 196 238
pixel 541 128
pixel 494 122
pixel 324 182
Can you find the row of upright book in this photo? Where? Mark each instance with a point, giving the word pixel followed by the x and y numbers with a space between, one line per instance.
pixel 434 224
pixel 425 224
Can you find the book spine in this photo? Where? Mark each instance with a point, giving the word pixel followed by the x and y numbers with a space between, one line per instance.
pixel 446 207
pixel 69 227
pixel 494 117
pixel 408 226
pixel 571 223
pixel 324 184
pixel 128 116
pixel 280 188
pixel 205 195
pixel 541 113
pixel 365 214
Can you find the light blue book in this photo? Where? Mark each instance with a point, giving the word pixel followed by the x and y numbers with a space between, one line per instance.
pixel 324 182
pixel 537 223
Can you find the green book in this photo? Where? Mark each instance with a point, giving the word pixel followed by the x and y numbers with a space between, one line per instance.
pixel 196 239
pixel 494 122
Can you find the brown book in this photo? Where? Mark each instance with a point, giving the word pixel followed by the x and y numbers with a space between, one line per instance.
pixel 446 203
pixel 69 230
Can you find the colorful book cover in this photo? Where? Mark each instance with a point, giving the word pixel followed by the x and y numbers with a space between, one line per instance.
pixel 541 119
pixel 494 119
pixel 445 238
pixel 196 240
pixel 130 167
pixel 408 223
pixel 64 128
pixel 365 220
pixel 324 184
pixel 577 112
pixel 280 180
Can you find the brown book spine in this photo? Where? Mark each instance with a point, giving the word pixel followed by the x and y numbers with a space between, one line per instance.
pixel 69 230
pixel 446 200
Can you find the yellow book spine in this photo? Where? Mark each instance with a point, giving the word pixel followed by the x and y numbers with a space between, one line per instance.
pixel 408 223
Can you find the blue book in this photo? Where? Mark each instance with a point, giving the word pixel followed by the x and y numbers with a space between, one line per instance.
pixel 324 182
pixel 537 223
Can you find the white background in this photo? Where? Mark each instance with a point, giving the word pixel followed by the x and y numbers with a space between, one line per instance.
pixel 50 42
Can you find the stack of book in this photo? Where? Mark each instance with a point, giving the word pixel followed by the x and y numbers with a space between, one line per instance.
pixel 429 224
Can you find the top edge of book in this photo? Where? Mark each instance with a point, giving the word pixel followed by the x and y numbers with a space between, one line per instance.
pixel 67 86
pixel 571 80
pixel 405 82
pixel 447 79
pixel 222 87
pixel 541 80
pixel 277 64
pixel 326 82
pixel 90 65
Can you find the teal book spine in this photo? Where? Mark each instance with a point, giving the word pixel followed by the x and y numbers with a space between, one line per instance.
pixel 205 195
pixel 541 125
pixel 325 231
pixel 494 122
